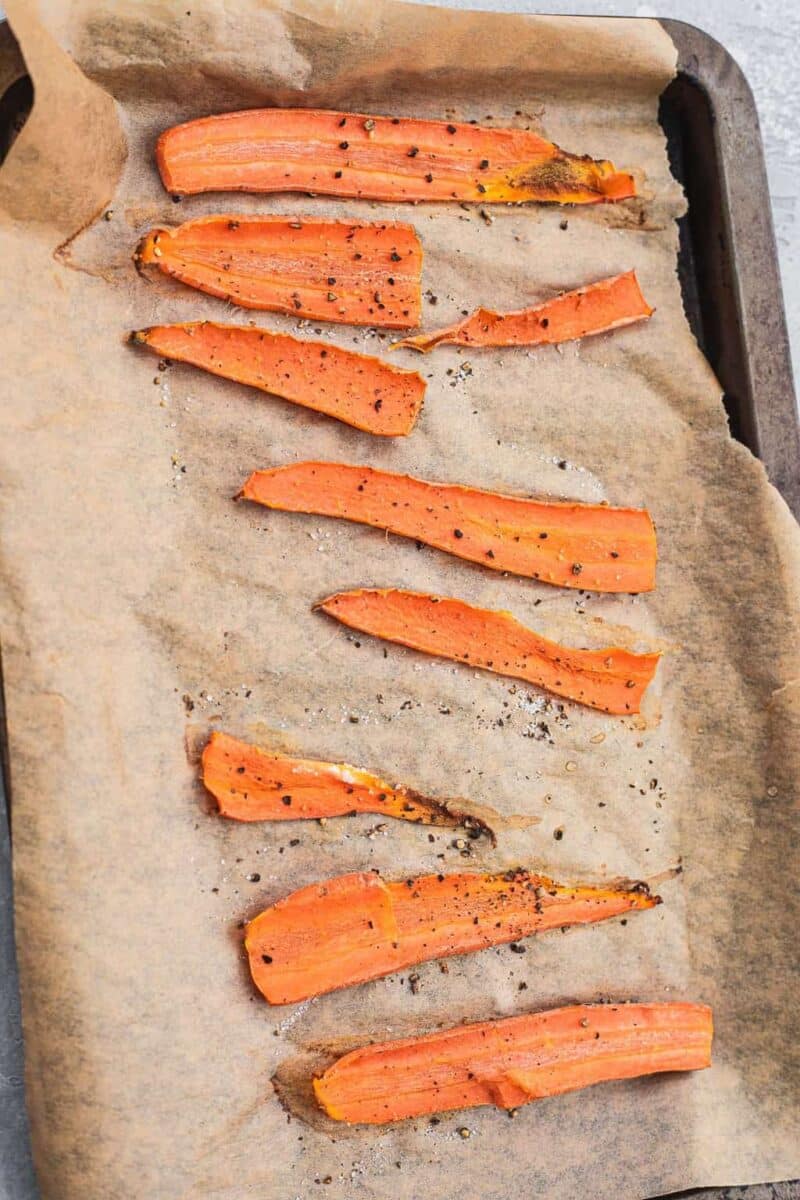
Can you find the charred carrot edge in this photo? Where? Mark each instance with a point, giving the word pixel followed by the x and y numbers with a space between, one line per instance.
pixel 358 927
pixel 378 158
pixel 511 1061
pixel 614 549
pixel 354 388
pixel 612 679
pixel 251 784
pixel 325 270
pixel 596 308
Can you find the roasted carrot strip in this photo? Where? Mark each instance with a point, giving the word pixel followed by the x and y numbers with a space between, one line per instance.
pixel 361 391
pixel 378 158
pixel 326 270
pixel 358 927
pixel 251 784
pixel 613 680
pixel 596 308
pixel 512 1061
pixel 614 548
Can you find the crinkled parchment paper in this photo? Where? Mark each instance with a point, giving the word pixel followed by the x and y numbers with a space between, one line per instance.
pixel 141 607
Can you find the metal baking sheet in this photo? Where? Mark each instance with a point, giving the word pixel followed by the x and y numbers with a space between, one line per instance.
pixel 731 290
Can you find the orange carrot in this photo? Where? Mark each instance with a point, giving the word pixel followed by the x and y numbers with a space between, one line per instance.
pixel 378 158
pixel 615 548
pixel 251 784
pixel 512 1061
pixel 326 270
pixel 596 308
pixel 361 391
pixel 613 680
pixel 357 927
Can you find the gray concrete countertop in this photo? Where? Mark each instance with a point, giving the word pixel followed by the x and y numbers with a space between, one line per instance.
pixel 763 36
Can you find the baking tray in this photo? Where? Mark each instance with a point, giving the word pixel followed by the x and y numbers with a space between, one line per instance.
pixel 729 276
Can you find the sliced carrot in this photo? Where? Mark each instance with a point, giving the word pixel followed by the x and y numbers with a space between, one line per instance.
pixel 355 388
pixel 358 927
pixel 378 158
pixel 512 1061
pixel 614 548
pixel 596 308
pixel 326 270
pixel 251 784
pixel 613 680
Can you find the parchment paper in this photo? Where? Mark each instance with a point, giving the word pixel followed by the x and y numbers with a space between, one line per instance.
pixel 142 607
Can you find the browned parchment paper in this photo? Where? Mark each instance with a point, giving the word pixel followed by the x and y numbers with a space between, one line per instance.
pixel 141 607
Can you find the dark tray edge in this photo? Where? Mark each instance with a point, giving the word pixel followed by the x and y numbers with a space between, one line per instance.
pixel 752 360
pixel 17 1176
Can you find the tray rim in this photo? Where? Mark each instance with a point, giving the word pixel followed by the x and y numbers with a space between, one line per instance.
pixel 750 236
pixel 709 66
